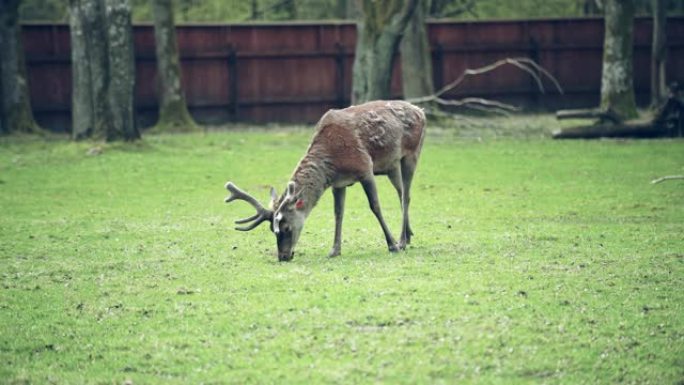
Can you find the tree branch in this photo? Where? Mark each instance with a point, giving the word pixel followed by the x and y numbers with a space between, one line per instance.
pixel 528 65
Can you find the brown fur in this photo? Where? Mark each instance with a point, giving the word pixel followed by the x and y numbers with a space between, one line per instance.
pixel 349 146
pixel 352 143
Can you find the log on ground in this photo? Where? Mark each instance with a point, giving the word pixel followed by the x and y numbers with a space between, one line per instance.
pixel 628 129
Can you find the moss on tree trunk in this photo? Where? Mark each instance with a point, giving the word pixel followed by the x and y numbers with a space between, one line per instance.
pixel 416 62
pixel 379 30
pixel 15 104
pixel 103 71
pixel 173 110
pixel 91 117
pixel 617 85
pixel 121 88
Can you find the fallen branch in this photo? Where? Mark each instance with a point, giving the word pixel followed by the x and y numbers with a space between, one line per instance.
pixel 628 129
pixel 668 177
pixel 595 113
pixel 525 64
pixel 667 121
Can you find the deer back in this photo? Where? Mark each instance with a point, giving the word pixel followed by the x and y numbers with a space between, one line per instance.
pixel 368 138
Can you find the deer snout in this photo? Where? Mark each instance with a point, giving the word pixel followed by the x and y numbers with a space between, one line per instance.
pixel 286 256
pixel 286 241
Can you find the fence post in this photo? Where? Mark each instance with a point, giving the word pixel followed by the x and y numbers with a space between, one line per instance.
pixel 339 75
pixel 233 82
pixel 438 66
pixel 534 55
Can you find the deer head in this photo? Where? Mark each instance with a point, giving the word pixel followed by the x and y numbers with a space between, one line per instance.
pixel 287 216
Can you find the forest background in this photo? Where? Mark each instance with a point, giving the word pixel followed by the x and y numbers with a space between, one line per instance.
pixel 282 10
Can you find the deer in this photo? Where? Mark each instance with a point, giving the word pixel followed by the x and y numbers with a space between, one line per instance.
pixel 349 145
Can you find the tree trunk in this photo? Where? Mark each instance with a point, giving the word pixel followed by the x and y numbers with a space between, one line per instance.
pixel 91 117
pixel 416 62
pixel 658 53
pixel 122 71
pixel 617 86
pixel 173 110
pixel 103 70
pixel 379 30
pixel 15 107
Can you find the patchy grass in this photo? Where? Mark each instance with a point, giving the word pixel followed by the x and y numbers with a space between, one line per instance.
pixel 534 261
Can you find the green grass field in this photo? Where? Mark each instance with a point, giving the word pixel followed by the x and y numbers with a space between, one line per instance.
pixel 534 261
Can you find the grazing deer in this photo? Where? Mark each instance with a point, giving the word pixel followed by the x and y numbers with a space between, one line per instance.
pixel 350 145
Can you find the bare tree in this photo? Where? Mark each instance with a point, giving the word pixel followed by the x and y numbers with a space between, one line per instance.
pixel 617 85
pixel 379 30
pixel 173 109
pixel 15 107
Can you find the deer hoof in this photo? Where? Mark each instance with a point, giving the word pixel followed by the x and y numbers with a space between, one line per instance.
pixel 394 248
pixel 333 253
pixel 407 239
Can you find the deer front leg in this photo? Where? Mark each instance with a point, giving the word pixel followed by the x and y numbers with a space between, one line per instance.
pixel 371 192
pixel 338 194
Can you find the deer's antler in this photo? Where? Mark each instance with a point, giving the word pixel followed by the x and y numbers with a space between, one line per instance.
pixel 261 215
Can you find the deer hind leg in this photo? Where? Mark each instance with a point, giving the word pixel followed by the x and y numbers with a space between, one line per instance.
pixel 408 168
pixel 339 195
pixel 368 184
pixel 396 177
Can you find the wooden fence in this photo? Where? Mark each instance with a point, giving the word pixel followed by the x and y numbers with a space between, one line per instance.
pixel 293 72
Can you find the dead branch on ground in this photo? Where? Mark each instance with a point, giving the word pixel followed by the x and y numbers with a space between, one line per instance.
pixel 594 113
pixel 667 120
pixel 667 177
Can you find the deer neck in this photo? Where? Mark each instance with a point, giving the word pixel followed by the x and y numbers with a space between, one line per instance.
pixel 312 177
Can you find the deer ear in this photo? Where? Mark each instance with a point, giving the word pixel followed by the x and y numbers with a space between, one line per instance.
pixel 299 204
pixel 274 199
